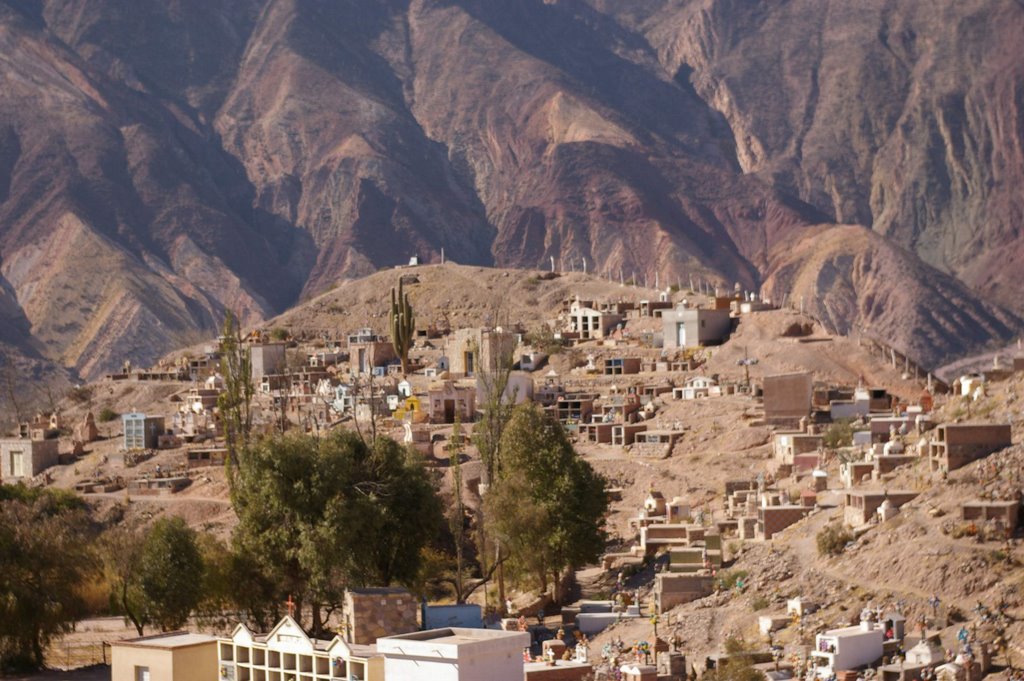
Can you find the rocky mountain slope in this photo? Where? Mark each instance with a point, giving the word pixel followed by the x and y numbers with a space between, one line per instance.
pixel 160 161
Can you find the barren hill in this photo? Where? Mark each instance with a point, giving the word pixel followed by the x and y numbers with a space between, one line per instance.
pixel 160 161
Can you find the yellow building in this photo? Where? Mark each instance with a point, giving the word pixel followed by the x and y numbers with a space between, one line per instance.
pixel 173 656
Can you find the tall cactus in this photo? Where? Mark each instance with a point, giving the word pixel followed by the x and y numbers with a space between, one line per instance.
pixel 403 325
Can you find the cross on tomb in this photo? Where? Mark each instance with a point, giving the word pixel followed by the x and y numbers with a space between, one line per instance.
pixel 291 606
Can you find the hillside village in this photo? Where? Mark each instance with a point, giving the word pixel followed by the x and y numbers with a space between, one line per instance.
pixel 782 502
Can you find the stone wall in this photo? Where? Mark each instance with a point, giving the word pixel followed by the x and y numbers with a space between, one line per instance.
pixel 374 613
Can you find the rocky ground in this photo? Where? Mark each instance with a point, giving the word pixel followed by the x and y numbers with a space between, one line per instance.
pixel 906 560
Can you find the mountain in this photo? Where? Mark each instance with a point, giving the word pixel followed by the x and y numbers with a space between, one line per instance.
pixel 161 160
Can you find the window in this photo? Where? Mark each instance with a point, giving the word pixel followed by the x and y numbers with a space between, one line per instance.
pixel 142 674
pixel 17 464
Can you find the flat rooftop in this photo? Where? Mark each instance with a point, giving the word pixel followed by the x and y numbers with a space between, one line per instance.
pixel 169 641
pixel 455 635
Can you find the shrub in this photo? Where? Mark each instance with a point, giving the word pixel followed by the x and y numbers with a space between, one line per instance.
pixel 80 394
pixel 107 415
pixel 833 539
pixel 278 334
pixel 839 434
pixel 730 578
pixel 759 603
pixel 543 339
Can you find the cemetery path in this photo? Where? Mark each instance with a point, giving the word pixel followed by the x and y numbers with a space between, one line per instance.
pixel 170 499
pixel 805 547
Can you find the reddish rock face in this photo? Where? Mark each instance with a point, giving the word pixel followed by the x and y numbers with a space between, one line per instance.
pixel 160 161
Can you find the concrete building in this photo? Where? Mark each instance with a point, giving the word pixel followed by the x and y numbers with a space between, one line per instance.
pixel 788 445
pixel 847 648
pixel 172 656
pixel 695 327
pixel 454 654
pixel 787 398
pixel 22 458
pixel 141 431
pixel 589 322
pixel 266 358
pixel 697 387
pixel 957 444
pixel 288 653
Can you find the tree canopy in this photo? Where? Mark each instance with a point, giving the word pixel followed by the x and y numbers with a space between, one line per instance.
pixel 44 557
pixel 548 506
pixel 317 515
pixel 156 576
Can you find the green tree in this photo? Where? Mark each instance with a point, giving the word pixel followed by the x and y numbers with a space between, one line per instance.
pixel 235 400
pixel 45 558
pixel 548 507
pixel 317 515
pixel 156 576
pixel 497 404
pixel 171 572
pixel 457 511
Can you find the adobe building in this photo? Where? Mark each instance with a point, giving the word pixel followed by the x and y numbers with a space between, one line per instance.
pixel 775 513
pixel 672 589
pixel 564 670
pixel 618 366
pixel 367 352
pixel 454 654
pixel 86 430
pixel 448 401
pixel 957 444
pixel 787 398
pixel 862 506
pixel 695 327
pixel 572 408
pixel 479 350
pixel 518 389
pixel 22 458
pixel 1003 514
pixel 265 359
pixel 378 611
pixel 171 656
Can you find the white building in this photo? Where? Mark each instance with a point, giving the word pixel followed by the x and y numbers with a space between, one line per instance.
pixel 847 648
pixel 287 653
pixel 454 654
pixel 591 323
pixel 696 387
